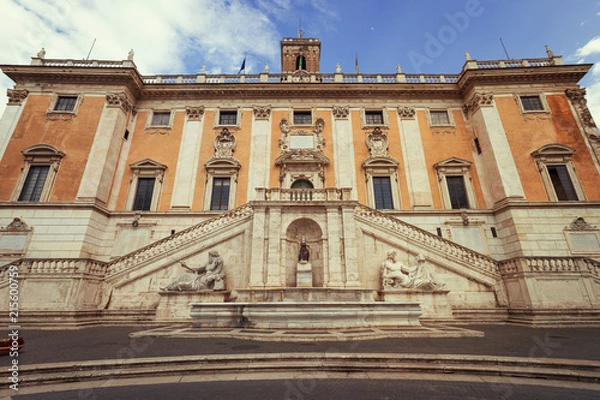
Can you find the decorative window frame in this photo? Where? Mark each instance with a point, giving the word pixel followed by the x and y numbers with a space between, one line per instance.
pixel 455 166
pixel 218 167
pixel 146 168
pixel 384 114
pixel 542 96
pixel 384 166
pixel 151 117
pixel 42 155
pixel 557 154
pixel 53 114
pixel 312 116
pixel 238 117
pixel 448 111
pixel 15 238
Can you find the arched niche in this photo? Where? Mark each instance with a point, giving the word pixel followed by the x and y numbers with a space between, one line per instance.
pixel 311 231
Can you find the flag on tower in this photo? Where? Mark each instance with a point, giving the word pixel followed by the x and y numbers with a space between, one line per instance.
pixel 356 63
pixel 243 66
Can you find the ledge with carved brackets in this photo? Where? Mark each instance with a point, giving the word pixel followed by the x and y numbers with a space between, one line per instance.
pixel 406 112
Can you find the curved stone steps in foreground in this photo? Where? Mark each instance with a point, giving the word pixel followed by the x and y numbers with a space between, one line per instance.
pixel 537 371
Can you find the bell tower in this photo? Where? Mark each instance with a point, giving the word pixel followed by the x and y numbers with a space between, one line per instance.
pixel 300 54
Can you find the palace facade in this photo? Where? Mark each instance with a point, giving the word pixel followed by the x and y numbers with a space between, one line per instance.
pixel 110 178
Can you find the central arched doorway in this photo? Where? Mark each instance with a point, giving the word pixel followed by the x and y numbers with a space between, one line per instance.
pixel 311 231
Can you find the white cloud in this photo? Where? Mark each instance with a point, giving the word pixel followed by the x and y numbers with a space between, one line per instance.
pixel 167 38
pixel 591 47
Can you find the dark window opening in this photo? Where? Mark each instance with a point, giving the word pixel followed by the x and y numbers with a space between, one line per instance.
pixel 301 62
pixel 382 189
pixel 161 118
pixel 65 103
pixel 439 231
pixel 126 135
pixel 563 186
pixel 34 183
pixel 457 192
pixel 477 145
pixel 220 194
pixel 228 118
pixel 302 118
pixel 532 103
pixel 143 194
pixel 494 232
pixel 302 184
pixel 374 117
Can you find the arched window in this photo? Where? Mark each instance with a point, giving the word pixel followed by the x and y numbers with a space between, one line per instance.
pixel 302 184
pixel 301 62
pixel 38 173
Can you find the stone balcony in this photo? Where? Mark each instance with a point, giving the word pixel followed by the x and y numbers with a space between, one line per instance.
pixel 303 195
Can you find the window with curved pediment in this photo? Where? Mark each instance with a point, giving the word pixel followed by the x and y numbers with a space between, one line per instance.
pixel 456 186
pixel 38 174
pixel 381 175
pixel 145 186
pixel 558 172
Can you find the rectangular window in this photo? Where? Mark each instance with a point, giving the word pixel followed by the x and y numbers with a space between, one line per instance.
pixel 302 118
pixel 228 118
pixel 382 189
pixel 161 118
pixel 457 192
pixel 563 186
pixel 439 117
pixel 65 103
pixel 34 183
pixel 532 103
pixel 143 194
pixel 220 194
pixel 373 117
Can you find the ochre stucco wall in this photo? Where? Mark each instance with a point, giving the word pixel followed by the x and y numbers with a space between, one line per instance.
pixel 72 137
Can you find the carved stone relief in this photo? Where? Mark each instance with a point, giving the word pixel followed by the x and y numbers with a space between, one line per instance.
pixel 261 112
pixel 224 144
pixel 340 112
pixel 16 96
pixel 479 99
pixel 580 224
pixel 396 275
pixel 377 142
pixel 118 100
pixel 194 113
pixel 209 277
pixel 406 112
pixel 17 225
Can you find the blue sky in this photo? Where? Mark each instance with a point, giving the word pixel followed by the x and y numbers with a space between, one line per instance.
pixel 423 36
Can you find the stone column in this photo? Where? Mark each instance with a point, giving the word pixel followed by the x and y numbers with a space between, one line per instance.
pixel 334 262
pixel 414 160
pixel 499 165
pixel 189 155
pixel 343 151
pixel 102 162
pixel 11 116
pixel 260 151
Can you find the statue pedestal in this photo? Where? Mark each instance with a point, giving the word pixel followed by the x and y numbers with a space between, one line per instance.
pixel 304 274
pixel 434 305
pixel 175 306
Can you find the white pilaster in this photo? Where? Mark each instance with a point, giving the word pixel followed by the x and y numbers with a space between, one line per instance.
pixel 415 165
pixel 343 152
pixel 260 147
pixel 274 257
pixel 8 123
pixel 260 239
pixel 350 247
pixel 187 164
pixel 334 233
pixel 102 162
pixel 500 168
